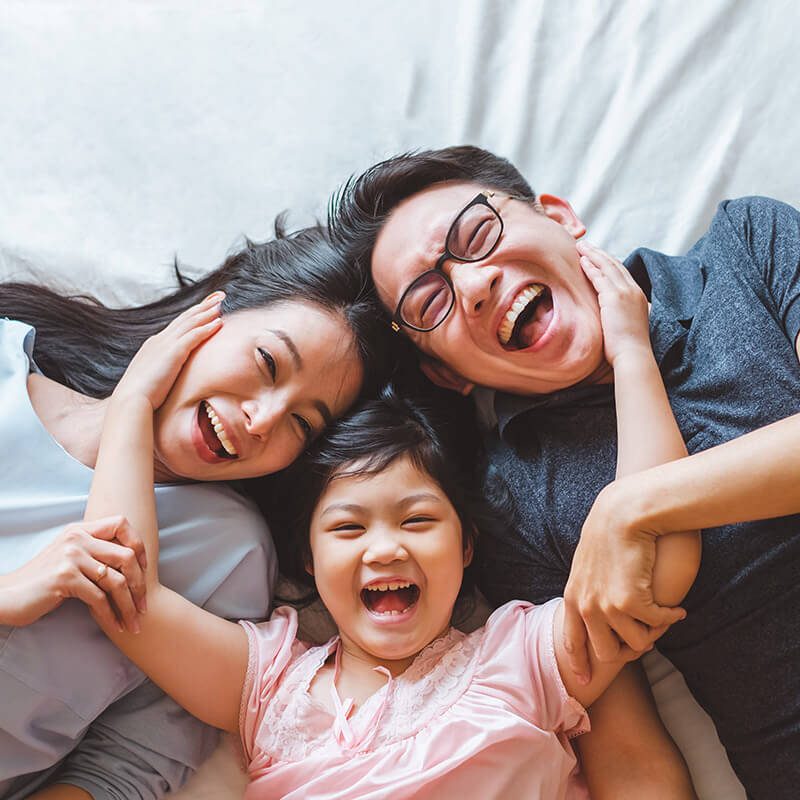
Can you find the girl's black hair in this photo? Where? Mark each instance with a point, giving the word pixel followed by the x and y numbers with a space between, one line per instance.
pixel 435 429
pixel 87 346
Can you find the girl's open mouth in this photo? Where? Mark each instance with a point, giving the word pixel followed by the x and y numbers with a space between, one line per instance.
pixel 391 598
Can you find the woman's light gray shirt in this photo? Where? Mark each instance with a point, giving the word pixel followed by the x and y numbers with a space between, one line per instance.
pixel 72 707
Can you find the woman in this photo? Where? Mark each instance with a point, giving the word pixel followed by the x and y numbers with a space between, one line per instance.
pixel 299 342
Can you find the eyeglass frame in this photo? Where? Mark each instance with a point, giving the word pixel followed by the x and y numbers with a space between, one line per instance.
pixel 482 198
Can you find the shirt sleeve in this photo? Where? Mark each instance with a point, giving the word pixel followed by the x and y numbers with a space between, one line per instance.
pixel 141 747
pixel 270 646
pixel 769 231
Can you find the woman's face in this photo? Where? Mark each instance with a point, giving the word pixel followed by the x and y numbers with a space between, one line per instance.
pixel 250 398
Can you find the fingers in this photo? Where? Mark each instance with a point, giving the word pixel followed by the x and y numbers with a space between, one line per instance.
pixel 604 642
pixel 124 561
pixel 196 324
pixel 597 262
pixel 99 604
pixel 118 528
pixel 574 637
pixel 656 616
pixel 114 584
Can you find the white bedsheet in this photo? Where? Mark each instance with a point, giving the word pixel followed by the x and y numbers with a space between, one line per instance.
pixel 131 131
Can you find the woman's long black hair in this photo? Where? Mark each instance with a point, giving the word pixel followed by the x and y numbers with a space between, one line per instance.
pixel 86 346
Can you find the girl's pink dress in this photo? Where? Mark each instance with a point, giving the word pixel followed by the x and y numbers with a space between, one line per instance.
pixel 476 715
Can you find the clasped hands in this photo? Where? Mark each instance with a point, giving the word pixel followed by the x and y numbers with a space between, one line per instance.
pixel 101 563
pixel 608 601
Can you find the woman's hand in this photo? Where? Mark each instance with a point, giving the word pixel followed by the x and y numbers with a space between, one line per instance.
pixel 624 310
pixel 154 369
pixel 101 563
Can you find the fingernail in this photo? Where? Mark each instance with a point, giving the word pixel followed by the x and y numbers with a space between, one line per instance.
pixel 583 679
pixel 143 606
pixel 136 628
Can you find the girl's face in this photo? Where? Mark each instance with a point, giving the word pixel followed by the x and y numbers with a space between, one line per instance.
pixel 251 397
pixel 387 559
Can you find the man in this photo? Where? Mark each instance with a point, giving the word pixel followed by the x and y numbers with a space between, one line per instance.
pixel 484 278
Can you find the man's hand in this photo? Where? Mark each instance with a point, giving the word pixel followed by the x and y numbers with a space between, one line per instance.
pixel 609 595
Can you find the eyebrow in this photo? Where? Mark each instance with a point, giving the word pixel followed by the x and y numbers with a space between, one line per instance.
pixel 290 346
pixel 320 405
pixel 355 508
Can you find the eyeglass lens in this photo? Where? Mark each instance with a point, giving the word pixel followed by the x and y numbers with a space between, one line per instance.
pixel 472 236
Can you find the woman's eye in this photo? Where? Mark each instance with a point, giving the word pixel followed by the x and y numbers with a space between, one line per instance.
pixel 349 526
pixel 305 427
pixel 419 519
pixel 267 358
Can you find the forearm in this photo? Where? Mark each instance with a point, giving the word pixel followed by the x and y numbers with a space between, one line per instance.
pixel 756 476
pixel 647 434
pixel 629 755
pixel 61 791
pixel 123 476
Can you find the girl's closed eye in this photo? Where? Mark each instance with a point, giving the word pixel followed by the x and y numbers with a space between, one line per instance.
pixel 419 519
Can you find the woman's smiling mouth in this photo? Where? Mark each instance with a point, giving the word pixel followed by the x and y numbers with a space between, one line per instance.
pixel 212 432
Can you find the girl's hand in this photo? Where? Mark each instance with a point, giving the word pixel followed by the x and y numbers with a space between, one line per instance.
pixel 99 562
pixel 154 369
pixel 623 307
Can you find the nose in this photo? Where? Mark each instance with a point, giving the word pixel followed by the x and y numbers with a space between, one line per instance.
pixel 474 283
pixel 261 417
pixel 384 547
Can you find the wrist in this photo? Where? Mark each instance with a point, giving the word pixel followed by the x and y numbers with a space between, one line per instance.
pixel 633 358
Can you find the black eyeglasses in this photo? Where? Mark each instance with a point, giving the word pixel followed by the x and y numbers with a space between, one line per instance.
pixel 474 234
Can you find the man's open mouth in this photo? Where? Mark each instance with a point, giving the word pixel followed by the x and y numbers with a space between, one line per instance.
pixel 389 599
pixel 213 431
pixel 527 318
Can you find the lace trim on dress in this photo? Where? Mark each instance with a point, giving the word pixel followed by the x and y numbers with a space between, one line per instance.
pixel 436 679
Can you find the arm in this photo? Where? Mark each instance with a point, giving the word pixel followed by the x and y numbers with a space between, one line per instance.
pixel 629 755
pixel 647 436
pixel 196 657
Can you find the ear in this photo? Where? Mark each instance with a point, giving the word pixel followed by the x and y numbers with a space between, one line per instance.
pixel 439 373
pixel 469 550
pixel 562 212
pixel 309 565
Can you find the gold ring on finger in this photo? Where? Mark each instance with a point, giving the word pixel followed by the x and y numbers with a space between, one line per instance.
pixel 101 572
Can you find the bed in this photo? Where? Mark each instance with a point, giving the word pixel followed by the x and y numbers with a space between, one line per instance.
pixel 134 131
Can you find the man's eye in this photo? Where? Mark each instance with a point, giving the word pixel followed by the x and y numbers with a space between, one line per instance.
pixel 476 242
pixel 305 427
pixel 267 358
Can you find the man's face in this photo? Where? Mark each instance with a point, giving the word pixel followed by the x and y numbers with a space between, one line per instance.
pixel 557 338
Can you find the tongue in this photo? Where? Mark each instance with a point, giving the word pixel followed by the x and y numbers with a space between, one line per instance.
pixel 533 329
pixel 397 600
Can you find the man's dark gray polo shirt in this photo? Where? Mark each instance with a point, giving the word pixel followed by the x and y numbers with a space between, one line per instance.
pixel 723 323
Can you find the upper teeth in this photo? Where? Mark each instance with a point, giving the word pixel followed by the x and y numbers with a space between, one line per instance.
pixel 520 302
pixel 220 431
pixel 385 587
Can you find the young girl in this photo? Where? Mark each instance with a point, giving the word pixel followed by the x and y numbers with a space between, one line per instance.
pixel 399 704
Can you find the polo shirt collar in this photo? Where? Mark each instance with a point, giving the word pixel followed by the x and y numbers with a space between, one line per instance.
pixel 673 285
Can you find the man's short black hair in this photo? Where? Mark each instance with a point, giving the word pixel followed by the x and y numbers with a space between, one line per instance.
pixel 360 208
